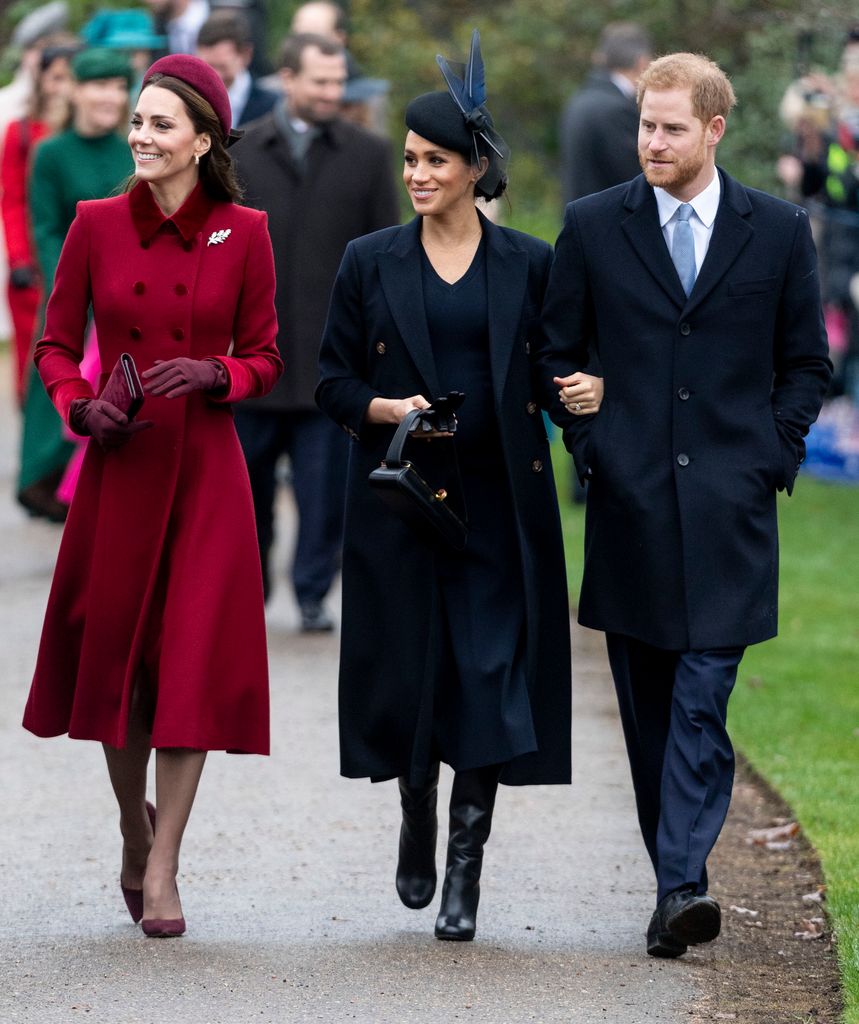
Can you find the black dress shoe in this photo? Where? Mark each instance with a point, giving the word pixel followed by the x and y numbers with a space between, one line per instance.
pixel 691 918
pixel 660 941
pixel 416 870
pixel 314 618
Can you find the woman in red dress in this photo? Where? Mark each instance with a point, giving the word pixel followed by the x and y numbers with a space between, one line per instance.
pixel 154 635
pixel 48 111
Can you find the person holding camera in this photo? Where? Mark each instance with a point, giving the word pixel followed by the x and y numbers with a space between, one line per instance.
pixel 454 656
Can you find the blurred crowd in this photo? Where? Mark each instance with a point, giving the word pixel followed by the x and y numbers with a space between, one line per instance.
pixel 820 169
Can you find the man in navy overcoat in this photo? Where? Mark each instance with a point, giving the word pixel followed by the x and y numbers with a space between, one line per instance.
pixel 701 299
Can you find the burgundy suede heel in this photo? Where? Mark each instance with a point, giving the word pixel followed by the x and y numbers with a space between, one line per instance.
pixel 134 897
pixel 166 928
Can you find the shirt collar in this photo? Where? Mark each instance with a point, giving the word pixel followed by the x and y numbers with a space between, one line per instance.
pixel 149 219
pixel 624 84
pixel 705 204
pixel 239 93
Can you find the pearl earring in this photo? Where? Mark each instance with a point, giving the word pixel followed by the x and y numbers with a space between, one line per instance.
pixel 197 159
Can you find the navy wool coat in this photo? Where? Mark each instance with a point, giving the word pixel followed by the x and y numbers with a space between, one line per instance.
pixel 707 401
pixel 377 343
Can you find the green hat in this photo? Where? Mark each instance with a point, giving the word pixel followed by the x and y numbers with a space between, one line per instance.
pixel 98 62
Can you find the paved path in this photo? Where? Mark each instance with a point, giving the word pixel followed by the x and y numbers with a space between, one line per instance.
pixel 287 880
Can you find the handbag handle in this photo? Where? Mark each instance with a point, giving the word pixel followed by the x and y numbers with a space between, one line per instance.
pixel 394 456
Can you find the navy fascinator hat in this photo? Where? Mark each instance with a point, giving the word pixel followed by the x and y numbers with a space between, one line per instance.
pixel 459 120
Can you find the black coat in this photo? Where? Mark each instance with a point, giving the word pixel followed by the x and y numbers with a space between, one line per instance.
pixel 259 102
pixel 346 189
pixel 707 400
pixel 599 138
pixel 377 343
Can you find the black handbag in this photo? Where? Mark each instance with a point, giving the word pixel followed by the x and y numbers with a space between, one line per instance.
pixel 426 509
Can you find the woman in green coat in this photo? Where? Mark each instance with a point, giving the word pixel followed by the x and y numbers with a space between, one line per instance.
pixel 89 160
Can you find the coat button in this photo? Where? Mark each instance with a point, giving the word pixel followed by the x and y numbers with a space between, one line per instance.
pixel 531 408
pixel 683 394
pixel 685 329
pixel 527 348
pixel 178 334
pixel 380 347
pixel 537 466
pixel 180 289
pixel 188 246
pixel 682 459
pixel 139 287
pixel 144 245
pixel 136 333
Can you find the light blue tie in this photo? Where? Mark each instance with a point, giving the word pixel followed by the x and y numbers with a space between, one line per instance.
pixel 683 248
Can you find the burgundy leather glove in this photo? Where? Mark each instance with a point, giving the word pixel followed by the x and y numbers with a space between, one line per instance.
pixel 104 422
pixel 176 377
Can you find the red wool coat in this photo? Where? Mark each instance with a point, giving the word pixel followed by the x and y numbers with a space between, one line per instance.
pixel 159 565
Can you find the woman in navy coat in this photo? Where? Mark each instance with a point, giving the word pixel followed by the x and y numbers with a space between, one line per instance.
pixel 455 657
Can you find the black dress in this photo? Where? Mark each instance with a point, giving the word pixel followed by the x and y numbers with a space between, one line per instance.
pixel 482 711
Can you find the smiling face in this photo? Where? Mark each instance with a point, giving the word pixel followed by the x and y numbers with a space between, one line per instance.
pixel 164 141
pixel 315 92
pixel 100 105
pixel 439 180
pixel 676 150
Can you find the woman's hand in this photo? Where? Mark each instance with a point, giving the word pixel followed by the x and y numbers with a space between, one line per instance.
pixel 394 410
pixel 109 426
pixel 176 377
pixel 581 394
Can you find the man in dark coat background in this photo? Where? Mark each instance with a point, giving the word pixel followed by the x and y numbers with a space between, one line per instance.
pixel 701 300
pixel 225 43
pixel 599 126
pixel 322 182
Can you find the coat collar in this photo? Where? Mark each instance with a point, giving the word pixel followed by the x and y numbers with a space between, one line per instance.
pixel 149 219
pixel 731 233
pixel 507 278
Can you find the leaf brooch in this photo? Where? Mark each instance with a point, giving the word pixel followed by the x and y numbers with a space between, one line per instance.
pixel 217 237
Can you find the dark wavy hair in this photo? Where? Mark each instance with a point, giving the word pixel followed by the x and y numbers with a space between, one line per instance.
pixel 217 174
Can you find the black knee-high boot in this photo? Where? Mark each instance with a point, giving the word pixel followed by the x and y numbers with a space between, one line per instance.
pixel 472 800
pixel 416 872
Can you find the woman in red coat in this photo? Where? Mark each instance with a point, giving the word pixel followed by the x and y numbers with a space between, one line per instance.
pixel 47 112
pixel 154 634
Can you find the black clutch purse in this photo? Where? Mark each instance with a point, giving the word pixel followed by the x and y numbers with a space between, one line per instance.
pixel 123 388
pixel 426 509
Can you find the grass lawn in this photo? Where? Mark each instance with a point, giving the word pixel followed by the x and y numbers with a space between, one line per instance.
pixel 795 712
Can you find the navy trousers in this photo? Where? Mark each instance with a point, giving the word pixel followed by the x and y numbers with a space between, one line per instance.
pixel 674 706
pixel 318 451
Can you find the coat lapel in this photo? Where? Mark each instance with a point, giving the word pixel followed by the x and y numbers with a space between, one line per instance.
pixel 645 235
pixel 400 274
pixel 731 233
pixel 507 279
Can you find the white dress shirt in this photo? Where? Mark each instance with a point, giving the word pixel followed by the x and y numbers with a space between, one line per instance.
pixel 239 93
pixel 704 206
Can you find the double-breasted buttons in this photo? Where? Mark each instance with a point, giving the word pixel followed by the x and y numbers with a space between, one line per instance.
pixel 685 329
pixel 139 287
pixel 178 334
pixel 135 333
pixel 531 408
pixel 381 348
pixel 682 459
pixel 180 289
pixel 683 394
pixel 144 244
pixel 187 246
pixel 537 466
